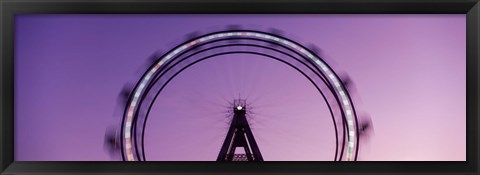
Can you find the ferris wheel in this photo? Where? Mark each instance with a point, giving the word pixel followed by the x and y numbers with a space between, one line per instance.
pixel 131 135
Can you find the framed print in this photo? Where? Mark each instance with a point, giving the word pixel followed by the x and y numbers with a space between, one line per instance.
pixel 220 87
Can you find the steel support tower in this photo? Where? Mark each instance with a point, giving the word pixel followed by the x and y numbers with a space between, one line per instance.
pixel 239 136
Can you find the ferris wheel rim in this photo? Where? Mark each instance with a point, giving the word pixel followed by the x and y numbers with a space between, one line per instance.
pixel 332 75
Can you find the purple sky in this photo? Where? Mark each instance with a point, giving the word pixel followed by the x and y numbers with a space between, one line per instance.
pixel 408 71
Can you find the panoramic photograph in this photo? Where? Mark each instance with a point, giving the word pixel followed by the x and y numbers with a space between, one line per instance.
pixel 240 87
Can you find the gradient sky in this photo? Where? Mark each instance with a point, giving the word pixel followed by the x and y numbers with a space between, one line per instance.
pixel 408 72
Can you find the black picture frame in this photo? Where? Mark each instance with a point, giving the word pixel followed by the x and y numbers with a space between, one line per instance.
pixel 9 8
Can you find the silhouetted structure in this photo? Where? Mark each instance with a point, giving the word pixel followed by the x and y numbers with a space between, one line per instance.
pixel 239 135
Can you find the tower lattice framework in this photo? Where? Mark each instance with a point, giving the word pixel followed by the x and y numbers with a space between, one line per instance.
pixel 239 136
